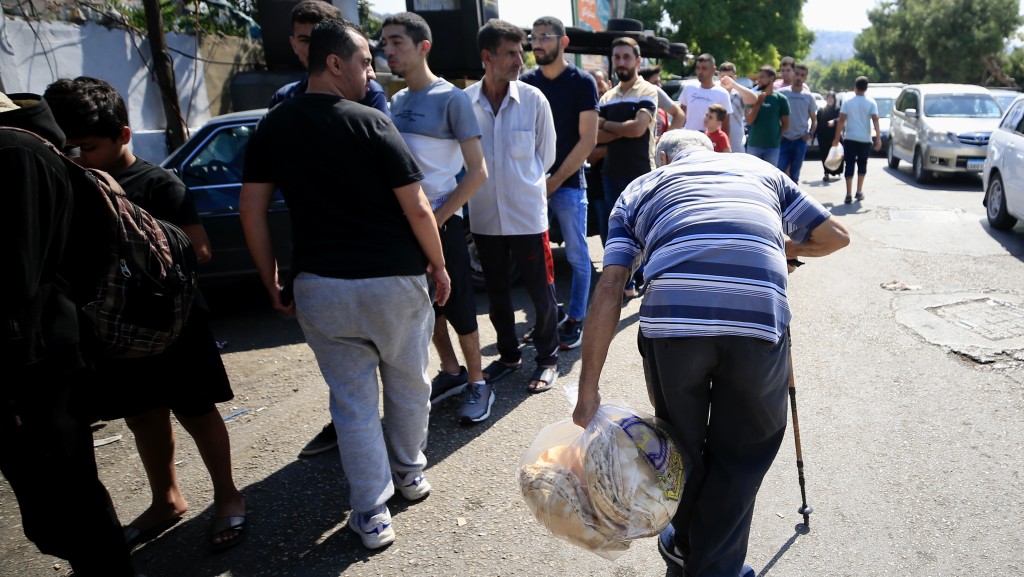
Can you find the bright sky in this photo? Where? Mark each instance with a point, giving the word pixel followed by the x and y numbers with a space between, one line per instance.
pixel 818 14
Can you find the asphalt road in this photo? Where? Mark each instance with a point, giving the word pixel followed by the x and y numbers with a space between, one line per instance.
pixel 909 365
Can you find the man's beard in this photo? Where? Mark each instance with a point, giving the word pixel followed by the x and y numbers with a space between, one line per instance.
pixel 627 75
pixel 546 59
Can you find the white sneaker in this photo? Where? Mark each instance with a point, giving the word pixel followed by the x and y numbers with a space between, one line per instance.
pixel 373 527
pixel 412 485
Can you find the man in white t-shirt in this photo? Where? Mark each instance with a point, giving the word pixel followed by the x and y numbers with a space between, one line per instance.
pixel 737 121
pixel 694 100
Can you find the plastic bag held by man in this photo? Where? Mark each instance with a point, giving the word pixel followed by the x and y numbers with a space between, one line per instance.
pixel 619 479
pixel 835 157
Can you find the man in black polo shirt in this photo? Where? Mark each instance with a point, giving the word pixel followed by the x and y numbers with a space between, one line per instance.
pixel 363 234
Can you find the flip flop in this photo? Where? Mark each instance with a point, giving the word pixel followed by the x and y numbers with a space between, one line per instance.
pixel 546 375
pixel 133 536
pixel 498 370
pixel 221 524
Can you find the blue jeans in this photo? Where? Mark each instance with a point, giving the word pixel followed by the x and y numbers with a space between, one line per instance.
pixel 769 155
pixel 569 206
pixel 791 157
pixel 613 188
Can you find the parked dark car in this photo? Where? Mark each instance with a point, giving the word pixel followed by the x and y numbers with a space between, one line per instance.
pixel 210 164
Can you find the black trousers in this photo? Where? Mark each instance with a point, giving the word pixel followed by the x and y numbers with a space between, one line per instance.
pixel 46 454
pixel 496 256
pixel 725 399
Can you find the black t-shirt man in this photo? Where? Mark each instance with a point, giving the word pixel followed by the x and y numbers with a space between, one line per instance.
pixel 346 219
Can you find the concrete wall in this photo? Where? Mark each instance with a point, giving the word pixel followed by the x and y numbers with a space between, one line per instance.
pixel 33 54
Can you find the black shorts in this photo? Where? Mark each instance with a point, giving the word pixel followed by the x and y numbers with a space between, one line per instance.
pixel 460 310
pixel 856 151
pixel 189 377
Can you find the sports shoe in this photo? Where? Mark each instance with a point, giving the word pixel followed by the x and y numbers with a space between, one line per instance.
pixel 668 548
pixel 412 485
pixel 859 196
pixel 373 527
pixel 848 200
pixel 748 571
pixel 560 314
pixel 325 440
pixel 447 385
pixel 476 404
pixel 571 335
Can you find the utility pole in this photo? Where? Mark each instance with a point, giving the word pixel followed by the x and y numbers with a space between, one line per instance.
pixel 164 71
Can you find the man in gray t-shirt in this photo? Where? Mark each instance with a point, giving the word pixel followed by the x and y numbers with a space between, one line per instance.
pixel 438 123
pixel 803 121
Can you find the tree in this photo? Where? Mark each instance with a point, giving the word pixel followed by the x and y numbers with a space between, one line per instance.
pixel 839 76
pixel 939 40
pixel 746 32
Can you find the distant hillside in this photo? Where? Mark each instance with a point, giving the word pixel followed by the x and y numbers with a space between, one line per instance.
pixel 830 45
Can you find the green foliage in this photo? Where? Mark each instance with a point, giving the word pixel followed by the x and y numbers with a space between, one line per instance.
pixel 370 25
pixel 939 40
pixel 839 76
pixel 747 32
pixel 225 17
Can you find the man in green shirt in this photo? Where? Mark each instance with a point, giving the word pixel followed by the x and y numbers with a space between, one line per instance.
pixel 768 118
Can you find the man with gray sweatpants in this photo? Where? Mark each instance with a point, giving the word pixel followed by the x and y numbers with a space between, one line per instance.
pixel 360 292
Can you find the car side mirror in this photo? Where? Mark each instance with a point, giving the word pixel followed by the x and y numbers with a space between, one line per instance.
pixel 911 112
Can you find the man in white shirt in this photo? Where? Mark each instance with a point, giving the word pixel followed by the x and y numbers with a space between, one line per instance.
pixel 509 213
pixel 695 100
pixel 737 122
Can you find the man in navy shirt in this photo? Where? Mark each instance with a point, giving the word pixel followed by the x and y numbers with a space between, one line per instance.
pixel 306 15
pixel 572 94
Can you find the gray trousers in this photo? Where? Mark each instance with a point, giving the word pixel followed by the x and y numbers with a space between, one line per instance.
pixel 357 328
pixel 725 398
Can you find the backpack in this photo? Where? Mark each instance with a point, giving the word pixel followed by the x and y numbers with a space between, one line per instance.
pixel 142 300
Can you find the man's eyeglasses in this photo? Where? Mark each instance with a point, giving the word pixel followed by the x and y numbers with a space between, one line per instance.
pixel 542 37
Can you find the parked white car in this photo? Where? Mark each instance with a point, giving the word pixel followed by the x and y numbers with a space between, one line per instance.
pixel 1003 175
pixel 942 128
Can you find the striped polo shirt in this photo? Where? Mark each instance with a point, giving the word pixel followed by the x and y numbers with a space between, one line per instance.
pixel 712 228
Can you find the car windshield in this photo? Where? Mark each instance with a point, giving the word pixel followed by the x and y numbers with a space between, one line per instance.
pixel 884 107
pixel 962 105
pixel 1006 100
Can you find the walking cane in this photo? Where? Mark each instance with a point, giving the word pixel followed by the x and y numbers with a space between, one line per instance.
pixel 804 509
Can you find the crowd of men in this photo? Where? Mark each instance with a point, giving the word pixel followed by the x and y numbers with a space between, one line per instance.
pixel 682 226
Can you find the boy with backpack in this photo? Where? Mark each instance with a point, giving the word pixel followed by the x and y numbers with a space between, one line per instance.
pixel 189 377
pixel 46 451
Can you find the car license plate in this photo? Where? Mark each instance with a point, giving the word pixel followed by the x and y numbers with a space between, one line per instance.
pixel 976 165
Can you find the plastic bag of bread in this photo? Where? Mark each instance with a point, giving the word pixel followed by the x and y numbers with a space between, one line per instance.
pixel 600 488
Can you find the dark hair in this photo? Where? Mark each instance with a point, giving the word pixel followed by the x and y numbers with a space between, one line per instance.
pixel 494 31
pixel 314 12
pixel 727 67
pixel 87 107
pixel 768 70
pixel 648 71
pixel 415 26
pixel 801 66
pixel 554 23
pixel 626 41
pixel 332 36
pixel 861 83
pixel 719 110
pixel 706 58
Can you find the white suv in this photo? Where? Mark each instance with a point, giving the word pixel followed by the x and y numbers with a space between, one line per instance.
pixel 942 128
pixel 1003 176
